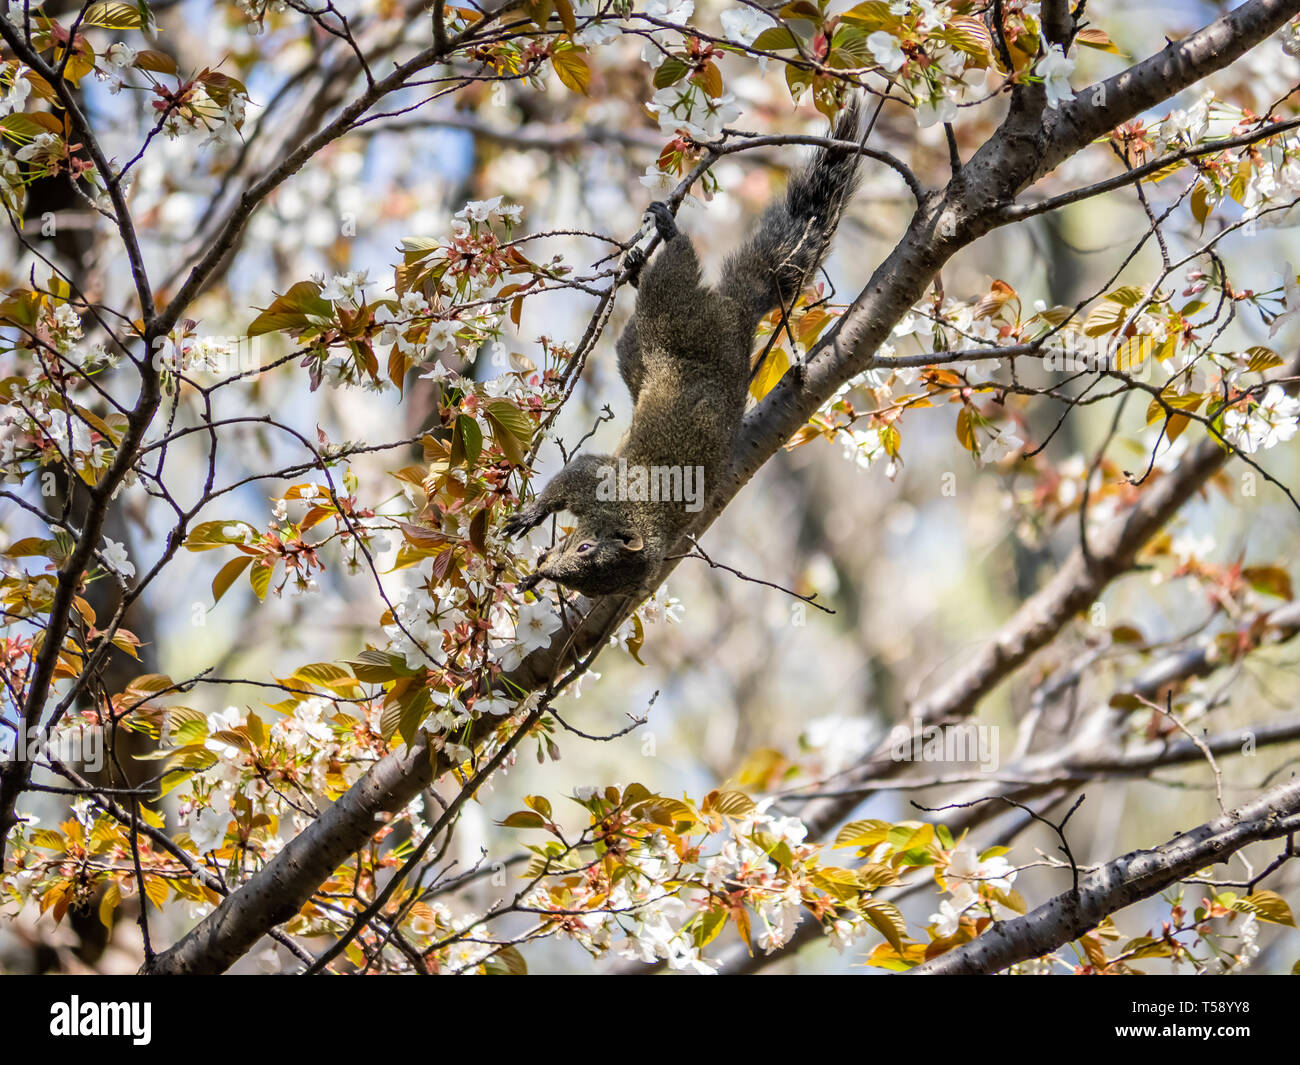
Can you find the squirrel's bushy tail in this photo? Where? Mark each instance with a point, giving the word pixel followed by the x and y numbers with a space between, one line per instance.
pixel 772 267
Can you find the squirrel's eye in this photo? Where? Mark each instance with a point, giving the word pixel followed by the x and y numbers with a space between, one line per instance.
pixel 585 547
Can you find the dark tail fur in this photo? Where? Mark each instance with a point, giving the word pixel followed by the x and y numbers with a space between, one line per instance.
pixel 793 236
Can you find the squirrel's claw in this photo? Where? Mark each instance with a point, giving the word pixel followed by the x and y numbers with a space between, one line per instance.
pixel 662 217
pixel 529 516
pixel 633 261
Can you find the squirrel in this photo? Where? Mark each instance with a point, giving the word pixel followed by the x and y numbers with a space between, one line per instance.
pixel 685 358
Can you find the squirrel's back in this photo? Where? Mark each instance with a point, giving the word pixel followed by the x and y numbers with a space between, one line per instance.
pixel 685 359
pixel 696 341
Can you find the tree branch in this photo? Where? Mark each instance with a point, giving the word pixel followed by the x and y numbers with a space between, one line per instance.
pixel 1120 883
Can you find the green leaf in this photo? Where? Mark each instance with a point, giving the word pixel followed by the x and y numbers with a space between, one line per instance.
pixel 706 929
pixel 1262 358
pixel 324 674
pixel 466 442
pixel 565 10
pixel 209 534
pixel 292 310
pixel 512 429
pixel 22 127
pixel 416 706
pixel 379 667
pixel 770 374
pixel 1126 295
pixel 670 72
pixel 539 803
pixel 511 418
pixel 862 834
pixel 539 11
pixel 523 819
pixel 709 78
pixel 506 962
pixel 873 14
pixel 731 803
pixel 968 35
pixel 1201 206
pixel 774 39
pixel 1145 947
pixel 1105 318
pixel 173 780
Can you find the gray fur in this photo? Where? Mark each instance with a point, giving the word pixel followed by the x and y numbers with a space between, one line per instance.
pixel 685 359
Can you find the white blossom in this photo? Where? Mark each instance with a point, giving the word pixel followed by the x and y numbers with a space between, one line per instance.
pixel 744 24
pixel 1055 69
pixel 1292 293
pixel 675 11
pixel 349 287
pixel 537 622
pixel 15 98
pixel 596 34
pixel 1272 421
pixel 885 51
pixel 115 556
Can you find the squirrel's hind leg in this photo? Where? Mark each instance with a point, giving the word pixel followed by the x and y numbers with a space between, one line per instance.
pixel 670 283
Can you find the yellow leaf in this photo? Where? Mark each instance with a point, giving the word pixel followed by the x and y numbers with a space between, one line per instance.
pixel 1133 353
pixel 886 957
pixel 1091 37
pixel 771 372
pixel 107 904
pixel 565 11
pixel 729 803
pixel 1201 206
pixel 226 576
pixel 113 15
pixel 260 578
pixel 888 919
pixel 1267 906
pixel 572 70
pixel 965 429
pixel 1262 358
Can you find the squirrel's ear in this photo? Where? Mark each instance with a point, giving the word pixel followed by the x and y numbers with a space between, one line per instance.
pixel 632 541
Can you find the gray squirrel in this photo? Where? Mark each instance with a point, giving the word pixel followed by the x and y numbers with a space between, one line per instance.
pixel 685 357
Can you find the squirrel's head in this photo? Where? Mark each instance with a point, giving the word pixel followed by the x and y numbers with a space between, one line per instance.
pixel 598 558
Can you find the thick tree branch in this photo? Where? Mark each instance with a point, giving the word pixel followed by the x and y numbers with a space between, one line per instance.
pixel 1120 883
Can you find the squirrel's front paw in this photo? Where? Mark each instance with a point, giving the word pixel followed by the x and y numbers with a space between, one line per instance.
pixel 529 516
pixel 664 222
pixel 530 582
pixel 633 261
